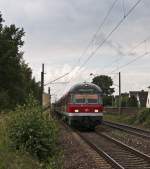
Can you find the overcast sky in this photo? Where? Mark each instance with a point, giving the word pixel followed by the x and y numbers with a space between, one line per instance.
pixel 58 32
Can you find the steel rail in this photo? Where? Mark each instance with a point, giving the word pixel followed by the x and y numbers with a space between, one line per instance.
pixel 129 129
pixel 125 155
pixel 116 153
pixel 126 147
pixel 102 153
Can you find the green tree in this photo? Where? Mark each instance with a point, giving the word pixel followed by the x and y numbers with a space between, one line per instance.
pixel 108 100
pixel 105 83
pixel 124 101
pixel 132 102
pixel 16 80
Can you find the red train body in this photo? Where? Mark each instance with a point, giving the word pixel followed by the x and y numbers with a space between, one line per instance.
pixel 82 105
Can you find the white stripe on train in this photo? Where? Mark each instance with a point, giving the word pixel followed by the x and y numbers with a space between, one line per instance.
pixel 90 114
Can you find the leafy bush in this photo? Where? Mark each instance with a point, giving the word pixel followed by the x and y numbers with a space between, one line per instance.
pixel 55 162
pixel 132 102
pixel 17 160
pixel 10 158
pixel 4 100
pixel 28 129
pixel 108 100
pixel 143 117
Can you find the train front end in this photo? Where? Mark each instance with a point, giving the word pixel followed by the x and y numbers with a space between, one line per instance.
pixel 85 107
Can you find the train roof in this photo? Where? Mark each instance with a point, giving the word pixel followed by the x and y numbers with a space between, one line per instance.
pixel 85 85
pixel 80 86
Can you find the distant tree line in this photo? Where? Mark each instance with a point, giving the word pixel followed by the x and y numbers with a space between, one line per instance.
pixel 16 81
pixel 105 83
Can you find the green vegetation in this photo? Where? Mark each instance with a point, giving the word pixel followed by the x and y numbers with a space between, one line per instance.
pixel 29 139
pixel 105 83
pixel 108 100
pixel 141 119
pixel 125 101
pixel 10 157
pixel 132 102
pixel 120 118
pixel 30 130
pixel 16 81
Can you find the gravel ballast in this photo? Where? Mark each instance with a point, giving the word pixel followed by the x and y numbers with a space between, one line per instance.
pixel 77 154
pixel 134 141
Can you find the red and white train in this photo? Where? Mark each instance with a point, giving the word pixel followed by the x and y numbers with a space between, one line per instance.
pixel 82 105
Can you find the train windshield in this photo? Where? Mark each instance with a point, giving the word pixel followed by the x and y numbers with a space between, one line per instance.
pixel 84 99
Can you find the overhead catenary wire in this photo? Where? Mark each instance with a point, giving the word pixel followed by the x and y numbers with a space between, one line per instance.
pixel 60 77
pixel 128 63
pixel 130 51
pixel 111 32
pixel 103 42
pixel 99 28
pixel 90 42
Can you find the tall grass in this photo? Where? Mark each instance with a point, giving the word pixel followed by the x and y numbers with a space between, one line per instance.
pixel 29 139
pixel 9 157
pixel 141 119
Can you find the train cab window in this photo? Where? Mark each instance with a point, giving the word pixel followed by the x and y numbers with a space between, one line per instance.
pixel 86 99
pixel 92 100
pixel 80 100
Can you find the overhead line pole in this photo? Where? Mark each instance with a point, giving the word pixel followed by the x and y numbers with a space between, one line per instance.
pixel 119 92
pixel 42 84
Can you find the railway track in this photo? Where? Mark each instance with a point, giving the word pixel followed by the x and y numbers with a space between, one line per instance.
pixel 116 153
pixel 119 155
pixel 133 130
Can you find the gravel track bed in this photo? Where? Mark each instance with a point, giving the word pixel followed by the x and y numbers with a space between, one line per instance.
pixel 137 142
pixel 77 154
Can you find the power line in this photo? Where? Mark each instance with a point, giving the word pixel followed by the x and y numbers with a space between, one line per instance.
pixel 91 41
pixel 60 77
pixel 130 51
pixel 113 30
pixel 128 63
pixel 108 36
pixel 99 28
pixel 101 44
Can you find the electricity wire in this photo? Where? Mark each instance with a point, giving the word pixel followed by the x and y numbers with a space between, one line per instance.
pixel 128 63
pixel 91 41
pixel 113 30
pixel 103 42
pixel 129 52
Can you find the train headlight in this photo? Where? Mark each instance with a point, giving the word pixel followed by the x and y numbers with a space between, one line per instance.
pixel 96 110
pixel 76 110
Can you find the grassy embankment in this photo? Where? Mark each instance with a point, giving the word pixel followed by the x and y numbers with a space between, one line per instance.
pixel 10 157
pixel 141 119
pixel 28 140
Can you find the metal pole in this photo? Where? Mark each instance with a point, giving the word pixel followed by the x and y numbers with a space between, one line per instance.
pixel 42 84
pixel 49 92
pixel 119 92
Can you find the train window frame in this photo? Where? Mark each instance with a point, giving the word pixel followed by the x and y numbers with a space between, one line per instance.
pixel 73 99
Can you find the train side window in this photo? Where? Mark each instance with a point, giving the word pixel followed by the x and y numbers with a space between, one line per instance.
pixel 100 100
pixel 92 100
